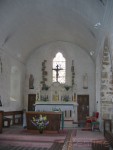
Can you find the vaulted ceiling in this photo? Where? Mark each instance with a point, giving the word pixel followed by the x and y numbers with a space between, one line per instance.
pixel 26 25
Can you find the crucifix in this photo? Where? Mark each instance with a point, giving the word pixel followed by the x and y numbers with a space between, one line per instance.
pixel 57 69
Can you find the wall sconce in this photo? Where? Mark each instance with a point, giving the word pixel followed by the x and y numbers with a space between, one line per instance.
pixel 85 81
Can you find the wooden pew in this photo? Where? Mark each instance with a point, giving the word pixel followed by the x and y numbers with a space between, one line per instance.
pixel 15 116
pixel 7 120
pixel 109 137
pixel 100 145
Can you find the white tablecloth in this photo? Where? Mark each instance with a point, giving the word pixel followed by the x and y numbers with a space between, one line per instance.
pixel 51 107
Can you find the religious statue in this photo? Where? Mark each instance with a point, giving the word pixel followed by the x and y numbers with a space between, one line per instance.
pixel 85 81
pixel 31 82
pixel 56 96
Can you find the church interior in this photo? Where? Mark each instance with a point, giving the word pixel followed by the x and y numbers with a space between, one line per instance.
pixel 56 66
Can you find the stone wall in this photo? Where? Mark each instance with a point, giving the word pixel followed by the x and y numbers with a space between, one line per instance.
pixel 106 85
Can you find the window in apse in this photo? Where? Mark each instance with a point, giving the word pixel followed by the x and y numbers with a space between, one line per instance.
pixel 59 68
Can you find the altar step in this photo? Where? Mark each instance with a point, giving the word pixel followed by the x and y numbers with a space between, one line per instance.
pixel 9 147
pixel 75 124
pixel 68 124
pixel 24 145
pixel 85 144
pixel 15 138
pixel 24 142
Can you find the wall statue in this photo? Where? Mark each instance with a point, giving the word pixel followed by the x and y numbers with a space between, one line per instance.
pixel 31 82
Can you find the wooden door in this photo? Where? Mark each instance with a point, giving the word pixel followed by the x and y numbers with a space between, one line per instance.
pixel 31 101
pixel 83 107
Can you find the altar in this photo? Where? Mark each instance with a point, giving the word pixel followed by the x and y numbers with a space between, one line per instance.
pixel 58 98
pixel 54 119
pixel 69 112
pixel 54 107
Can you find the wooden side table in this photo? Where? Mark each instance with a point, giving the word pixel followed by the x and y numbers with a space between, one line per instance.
pixel 109 122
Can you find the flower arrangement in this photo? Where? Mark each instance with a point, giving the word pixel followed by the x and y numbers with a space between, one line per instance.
pixel 40 122
pixel 66 98
pixel 44 98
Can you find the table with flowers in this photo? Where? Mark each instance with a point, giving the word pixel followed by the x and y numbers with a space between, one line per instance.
pixel 54 119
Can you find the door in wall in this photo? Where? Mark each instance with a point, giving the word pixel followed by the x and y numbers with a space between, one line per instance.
pixel 31 101
pixel 83 107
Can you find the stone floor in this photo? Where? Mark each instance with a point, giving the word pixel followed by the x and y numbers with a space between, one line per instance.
pixel 83 139
pixel 17 138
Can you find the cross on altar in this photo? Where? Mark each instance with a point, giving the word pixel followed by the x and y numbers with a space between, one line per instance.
pixel 57 69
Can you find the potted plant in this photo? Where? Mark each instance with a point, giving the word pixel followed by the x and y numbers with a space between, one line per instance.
pixel 40 122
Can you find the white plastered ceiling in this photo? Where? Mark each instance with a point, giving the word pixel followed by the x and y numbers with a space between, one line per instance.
pixel 25 25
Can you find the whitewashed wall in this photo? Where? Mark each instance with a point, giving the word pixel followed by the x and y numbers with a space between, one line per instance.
pixel 7 63
pixel 82 61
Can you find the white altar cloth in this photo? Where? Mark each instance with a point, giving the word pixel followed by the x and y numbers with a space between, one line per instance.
pixel 51 107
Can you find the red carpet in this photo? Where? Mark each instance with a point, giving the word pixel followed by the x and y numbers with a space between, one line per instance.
pixel 20 131
pixel 17 136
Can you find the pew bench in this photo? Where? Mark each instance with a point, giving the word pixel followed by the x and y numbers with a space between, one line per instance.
pixel 100 145
pixel 109 137
pixel 6 122
pixel 12 118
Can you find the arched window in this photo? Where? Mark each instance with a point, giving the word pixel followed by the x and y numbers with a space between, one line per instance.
pixel 15 84
pixel 59 68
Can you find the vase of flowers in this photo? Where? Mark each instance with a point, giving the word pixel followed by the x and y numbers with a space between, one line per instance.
pixel 40 122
